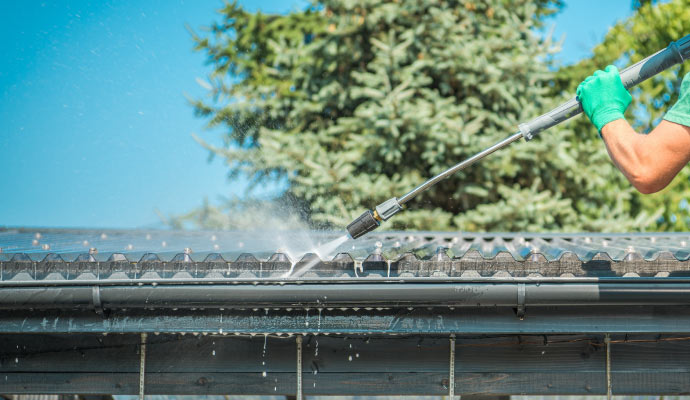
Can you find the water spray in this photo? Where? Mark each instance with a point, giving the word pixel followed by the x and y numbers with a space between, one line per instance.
pixel 676 53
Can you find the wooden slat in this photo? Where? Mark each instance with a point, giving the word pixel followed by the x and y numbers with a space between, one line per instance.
pixel 394 383
pixel 174 353
pixel 557 364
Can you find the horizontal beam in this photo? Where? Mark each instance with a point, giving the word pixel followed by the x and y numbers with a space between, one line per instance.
pixel 386 321
pixel 334 295
pixel 241 365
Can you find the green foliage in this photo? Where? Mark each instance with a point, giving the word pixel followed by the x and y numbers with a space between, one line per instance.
pixel 352 102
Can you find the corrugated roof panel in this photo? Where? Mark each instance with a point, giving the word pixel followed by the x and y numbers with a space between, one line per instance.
pixel 133 254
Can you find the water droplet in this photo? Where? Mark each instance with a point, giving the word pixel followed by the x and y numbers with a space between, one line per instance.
pixel 103 236
pixel 164 243
pixel 263 374
pixel 214 353
pixel 357 355
pixel 16 360
pixel 45 246
pixel 349 358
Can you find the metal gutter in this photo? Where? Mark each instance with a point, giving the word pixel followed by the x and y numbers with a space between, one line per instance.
pixel 361 295
pixel 325 280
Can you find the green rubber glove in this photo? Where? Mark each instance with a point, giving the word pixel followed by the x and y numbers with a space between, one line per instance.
pixel 603 97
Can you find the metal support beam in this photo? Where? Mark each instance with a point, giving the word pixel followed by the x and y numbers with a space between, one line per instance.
pixel 451 369
pixel 609 391
pixel 298 340
pixel 142 366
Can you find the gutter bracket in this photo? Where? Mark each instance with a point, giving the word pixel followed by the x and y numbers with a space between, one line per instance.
pixel 521 295
pixel 96 299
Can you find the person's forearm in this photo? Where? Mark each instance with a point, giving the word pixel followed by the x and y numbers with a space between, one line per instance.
pixel 622 144
pixel 636 156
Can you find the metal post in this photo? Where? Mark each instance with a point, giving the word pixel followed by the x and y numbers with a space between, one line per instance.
pixel 451 372
pixel 142 365
pixel 299 367
pixel 609 391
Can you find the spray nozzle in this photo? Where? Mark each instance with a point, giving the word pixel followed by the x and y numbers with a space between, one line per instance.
pixel 371 220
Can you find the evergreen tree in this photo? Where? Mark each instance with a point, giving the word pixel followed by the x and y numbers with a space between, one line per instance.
pixel 351 102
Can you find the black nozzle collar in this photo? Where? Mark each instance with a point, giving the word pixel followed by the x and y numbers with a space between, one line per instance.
pixel 363 224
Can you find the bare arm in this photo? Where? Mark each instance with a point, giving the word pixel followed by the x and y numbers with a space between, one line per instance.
pixel 650 161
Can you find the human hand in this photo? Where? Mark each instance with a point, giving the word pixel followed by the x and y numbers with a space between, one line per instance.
pixel 603 97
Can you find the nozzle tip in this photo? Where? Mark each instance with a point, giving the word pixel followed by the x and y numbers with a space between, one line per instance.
pixel 364 224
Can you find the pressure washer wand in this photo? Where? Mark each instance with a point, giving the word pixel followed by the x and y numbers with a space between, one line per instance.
pixel 676 53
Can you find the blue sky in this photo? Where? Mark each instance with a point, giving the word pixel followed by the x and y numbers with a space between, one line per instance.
pixel 95 130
